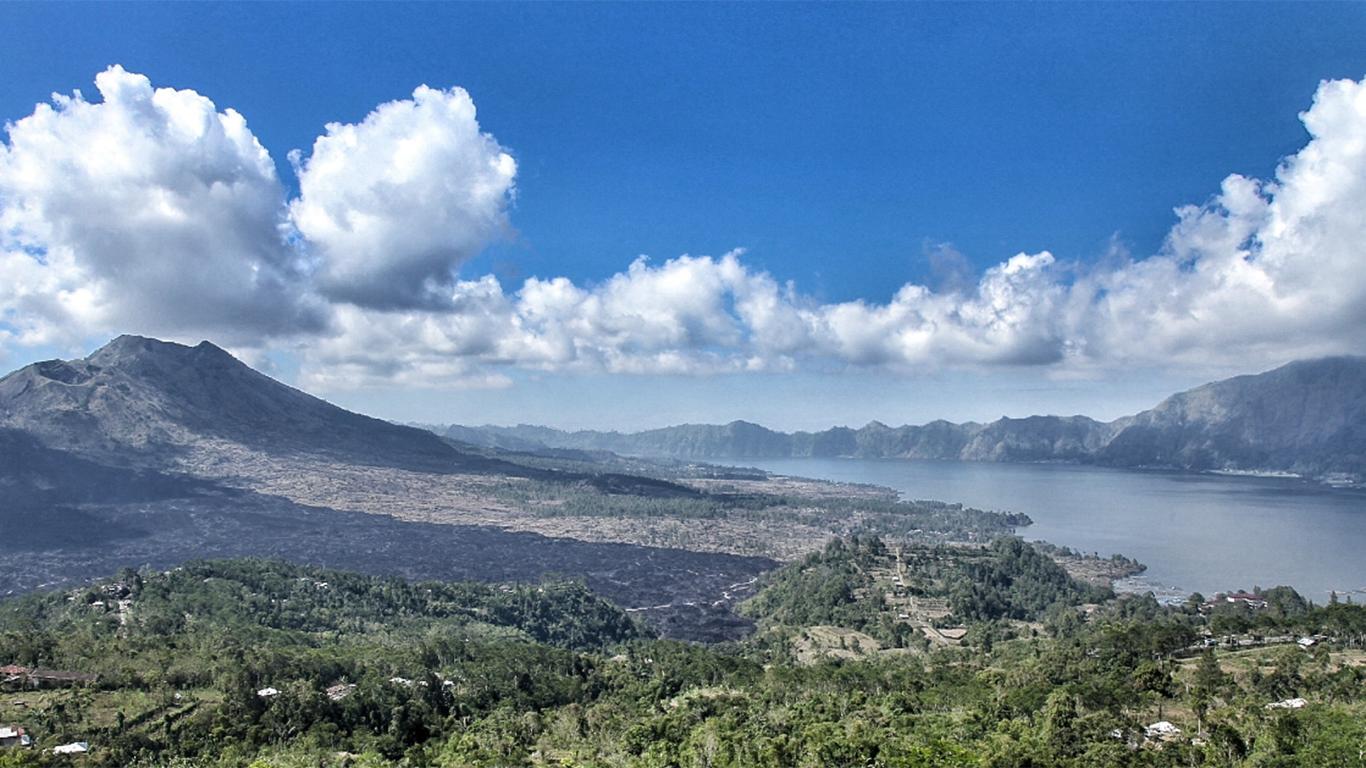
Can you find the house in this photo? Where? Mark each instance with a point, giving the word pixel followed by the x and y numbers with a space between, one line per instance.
pixel 55 678
pixel 1306 642
pixel 12 676
pixel 1161 730
pixel 14 736
pixel 1250 599
pixel 1296 703
pixel 267 693
pixel 118 589
pixel 74 748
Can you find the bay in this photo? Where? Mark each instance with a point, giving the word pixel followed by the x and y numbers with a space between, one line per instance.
pixel 1195 532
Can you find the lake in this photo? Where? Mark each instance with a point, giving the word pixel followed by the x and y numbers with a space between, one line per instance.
pixel 1205 533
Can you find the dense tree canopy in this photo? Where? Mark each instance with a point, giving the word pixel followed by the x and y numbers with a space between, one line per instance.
pixel 252 663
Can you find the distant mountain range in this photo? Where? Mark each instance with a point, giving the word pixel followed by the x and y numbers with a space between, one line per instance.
pixel 1307 418
pixel 148 405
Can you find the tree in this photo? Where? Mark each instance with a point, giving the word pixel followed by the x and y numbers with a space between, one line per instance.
pixel 1060 724
pixel 1206 684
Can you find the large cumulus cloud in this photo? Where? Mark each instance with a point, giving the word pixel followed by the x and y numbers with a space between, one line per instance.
pixel 149 211
pixel 697 315
pixel 1265 270
pixel 394 204
pixel 154 211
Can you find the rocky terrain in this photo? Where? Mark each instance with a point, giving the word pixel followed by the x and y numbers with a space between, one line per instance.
pixel 151 453
pixel 685 594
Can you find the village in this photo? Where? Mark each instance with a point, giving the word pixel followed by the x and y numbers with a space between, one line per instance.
pixel 19 679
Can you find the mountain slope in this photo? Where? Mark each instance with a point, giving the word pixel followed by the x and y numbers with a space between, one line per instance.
pixel 1307 417
pixel 154 406
pixel 140 401
pixel 35 476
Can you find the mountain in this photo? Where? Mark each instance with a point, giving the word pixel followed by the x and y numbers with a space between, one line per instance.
pixel 153 453
pixel 1037 438
pixel 150 405
pixel 139 401
pixel 1308 417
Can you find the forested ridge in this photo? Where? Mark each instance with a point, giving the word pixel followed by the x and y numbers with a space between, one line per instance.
pixel 1009 579
pixel 266 664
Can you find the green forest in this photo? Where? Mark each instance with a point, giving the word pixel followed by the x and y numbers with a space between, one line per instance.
pixel 267 664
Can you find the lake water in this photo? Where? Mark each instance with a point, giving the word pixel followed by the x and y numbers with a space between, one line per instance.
pixel 1205 533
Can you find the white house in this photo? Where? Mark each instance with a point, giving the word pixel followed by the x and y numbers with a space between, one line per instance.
pixel 74 748
pixel 1161 730
pixel 14 736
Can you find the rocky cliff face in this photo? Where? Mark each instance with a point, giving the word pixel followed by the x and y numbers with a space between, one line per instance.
pixel 1037 438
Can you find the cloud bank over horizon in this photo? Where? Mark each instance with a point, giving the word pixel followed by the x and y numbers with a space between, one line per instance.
pixel 153 211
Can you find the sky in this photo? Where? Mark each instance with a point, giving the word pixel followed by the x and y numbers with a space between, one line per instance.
pixel 626 216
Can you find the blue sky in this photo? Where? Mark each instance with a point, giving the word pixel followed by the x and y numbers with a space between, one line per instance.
pixel 850 149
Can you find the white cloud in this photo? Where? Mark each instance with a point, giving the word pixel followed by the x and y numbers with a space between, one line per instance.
pixel 419 347
pixel 666 319
pixel 153 211
pixel 1009 318
pixel 693 316
pixel 1264 272
pixel 150 211
pixel 393 205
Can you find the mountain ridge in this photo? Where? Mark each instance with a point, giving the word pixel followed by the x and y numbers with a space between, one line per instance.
pixel 1307 417
pixel 140 402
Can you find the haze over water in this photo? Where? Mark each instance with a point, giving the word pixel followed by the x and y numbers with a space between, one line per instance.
pixel 1204 533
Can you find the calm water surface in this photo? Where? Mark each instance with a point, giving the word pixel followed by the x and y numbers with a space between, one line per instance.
pixel 1203 533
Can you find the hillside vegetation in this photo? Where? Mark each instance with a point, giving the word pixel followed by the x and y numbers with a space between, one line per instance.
pixel 275 666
